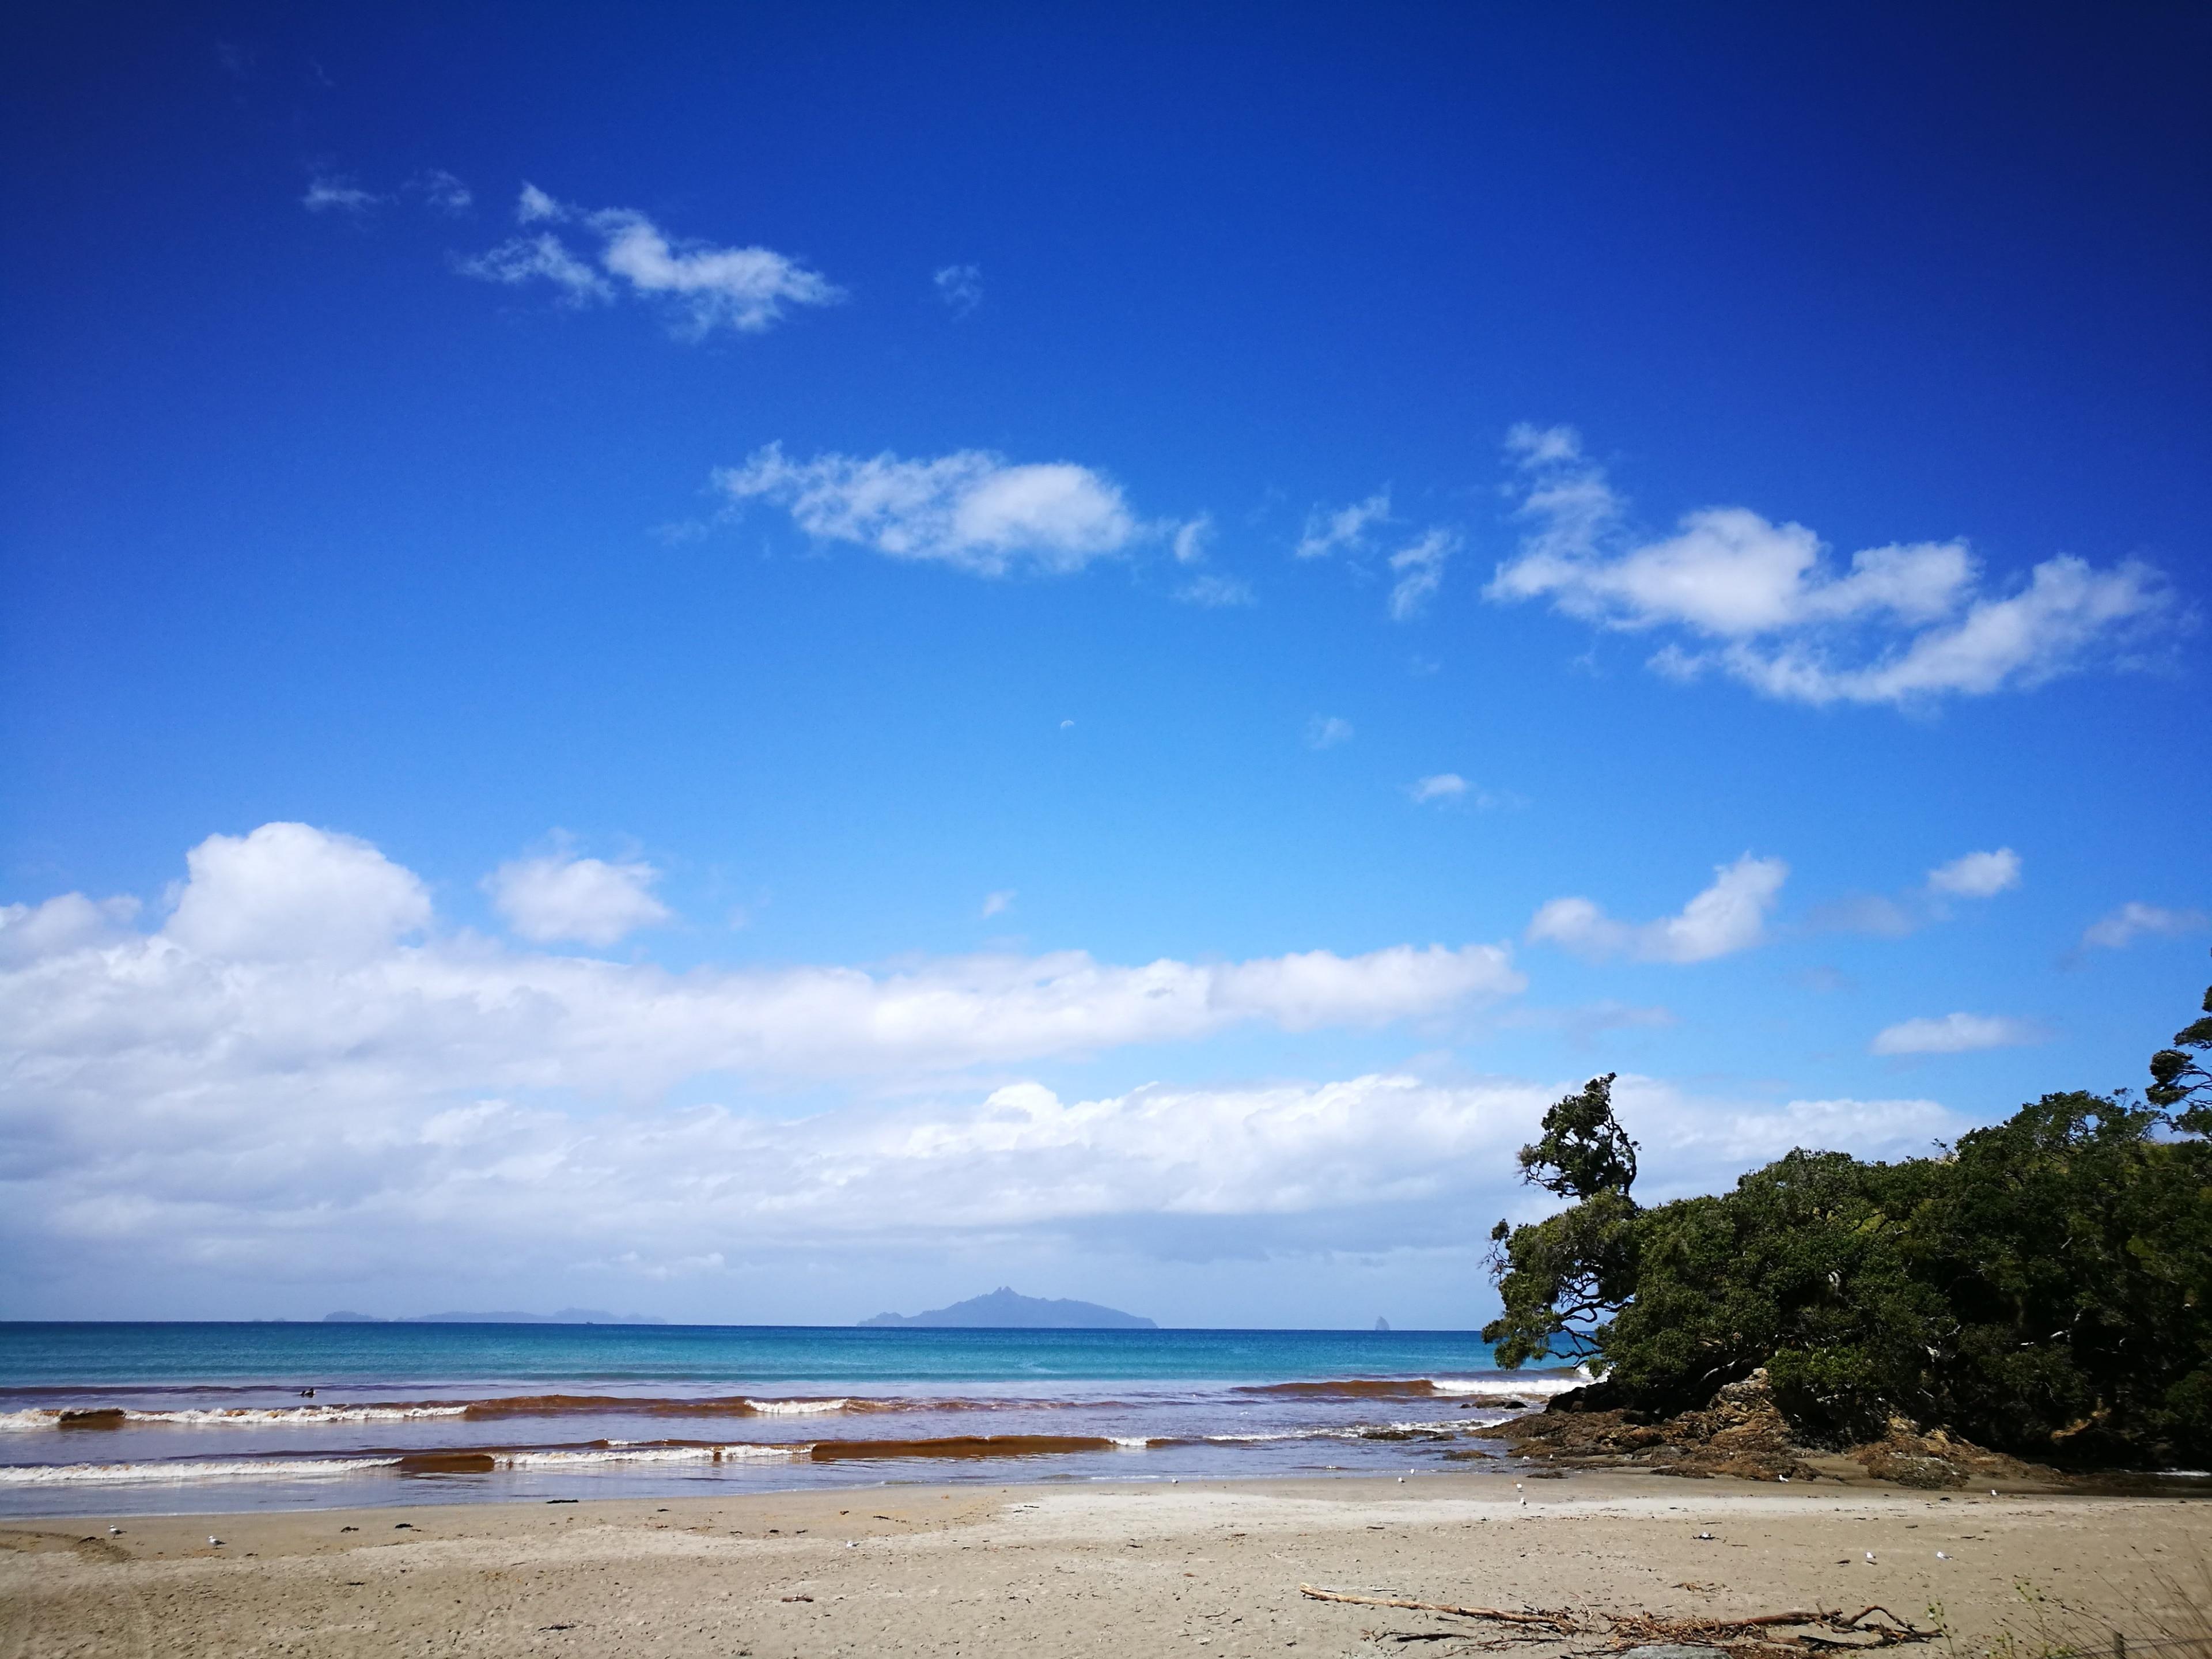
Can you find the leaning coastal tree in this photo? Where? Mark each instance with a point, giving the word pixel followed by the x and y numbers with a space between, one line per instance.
pixel 1563 1277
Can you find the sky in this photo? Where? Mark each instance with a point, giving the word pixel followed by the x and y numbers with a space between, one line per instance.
pixel 757 664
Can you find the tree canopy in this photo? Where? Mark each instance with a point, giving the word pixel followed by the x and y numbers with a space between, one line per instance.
pixel 2045 1287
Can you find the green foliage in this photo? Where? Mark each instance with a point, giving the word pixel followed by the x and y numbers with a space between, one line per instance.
pixel 2178 1079
pixel 2045 1288
pixel 1583 1151
pixel 1565 1274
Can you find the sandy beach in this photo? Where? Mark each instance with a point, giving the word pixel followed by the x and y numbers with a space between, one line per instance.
pixel 1103 1570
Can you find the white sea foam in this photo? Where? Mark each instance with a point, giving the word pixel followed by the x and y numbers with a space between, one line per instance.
pixel 797 1407
pixel 243 1417
pixel 618 1453
pixel 1132 1442
pixel 242 1468
pixel 1526 1388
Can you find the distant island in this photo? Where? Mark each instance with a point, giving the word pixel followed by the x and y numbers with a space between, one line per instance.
pixel 566 1316
pixel 1005 1310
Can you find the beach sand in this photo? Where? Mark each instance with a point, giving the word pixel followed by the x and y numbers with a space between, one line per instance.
pixel 1210 1567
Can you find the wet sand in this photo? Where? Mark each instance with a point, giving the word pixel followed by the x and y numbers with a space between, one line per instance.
pixel 1093 1570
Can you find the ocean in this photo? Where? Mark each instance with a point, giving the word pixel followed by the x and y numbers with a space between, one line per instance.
pixel 150 1418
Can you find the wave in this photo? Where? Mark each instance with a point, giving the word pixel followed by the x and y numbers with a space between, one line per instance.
pixel 1471 1389
pixel 117 1417
pixel 290 1469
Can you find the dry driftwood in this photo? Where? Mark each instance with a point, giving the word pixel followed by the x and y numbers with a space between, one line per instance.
pixel 1563 1627
pixel 1644 1626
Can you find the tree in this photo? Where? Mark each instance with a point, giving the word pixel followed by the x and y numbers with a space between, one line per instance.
pixel 2045 1287
pixel 2176 1079
pixel 1563 1277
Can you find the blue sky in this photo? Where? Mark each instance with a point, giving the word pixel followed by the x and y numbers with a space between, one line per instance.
pixel 762 665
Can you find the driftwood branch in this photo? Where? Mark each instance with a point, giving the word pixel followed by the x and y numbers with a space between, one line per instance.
pixel 1563 1627
pixel 1644 1626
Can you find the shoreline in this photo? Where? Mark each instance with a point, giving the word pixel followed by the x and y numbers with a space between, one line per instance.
pixel 1105 1568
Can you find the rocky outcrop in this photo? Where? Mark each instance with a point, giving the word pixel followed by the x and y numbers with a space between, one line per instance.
pixel 1743 1433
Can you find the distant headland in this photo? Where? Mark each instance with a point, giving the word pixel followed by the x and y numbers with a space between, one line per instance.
pixel 566 1316
pixel 1006 1309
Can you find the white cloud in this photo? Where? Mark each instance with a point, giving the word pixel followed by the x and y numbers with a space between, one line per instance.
pixel 442 192
pixel 560 897
pixel 302 931
pixel 326 195
pixel 1444 786
pixel 743 290
pixel 289 893
pixel 973 510
pixel 245 1184
pixel 998 903
pixel 1955 1034
pixel 1344 529
pixel 2117 929
pixel 1216 592
pixel 960 287
pixel 1419 569
pixel 1191 539
pixel 541 259
pixel 1730 915
pixel 1903 623
pixel 1977 875
pixel 1326 731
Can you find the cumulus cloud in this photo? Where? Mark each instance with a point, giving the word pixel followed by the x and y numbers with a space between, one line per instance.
pixel 1955 1034
pixel 2117 929
pixel 973 510
pixel 289 893
pixel 293 942
pixel 1444 786
pixel 704 287
pixel 1763 602
pixel 1730 915
pixel 558 895
pixel 1328 731
pixel 1977 875
pixel 1419 568
pixel 1343 529
pixel 960 287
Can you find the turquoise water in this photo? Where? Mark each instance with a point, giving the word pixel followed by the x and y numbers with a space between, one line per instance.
pixel 46 1356
pixel 123 1418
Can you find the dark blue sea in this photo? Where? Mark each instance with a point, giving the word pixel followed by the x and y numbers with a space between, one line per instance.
pixel 139 1418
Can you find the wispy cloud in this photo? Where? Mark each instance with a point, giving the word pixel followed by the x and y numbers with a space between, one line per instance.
pixel 960 287
pixel 1444 786
pixel 333 195
pixel 1216 592
pixel 1343 529
pixel 973 510
pixel 1328 732
pixel 1955 1034
pixel 706 288
pixel 1193 539
pixel 2117 929
pixel 442 191
pixel 1728 916
pixel 998 903
pixel 1762 603
pixel 1419 569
